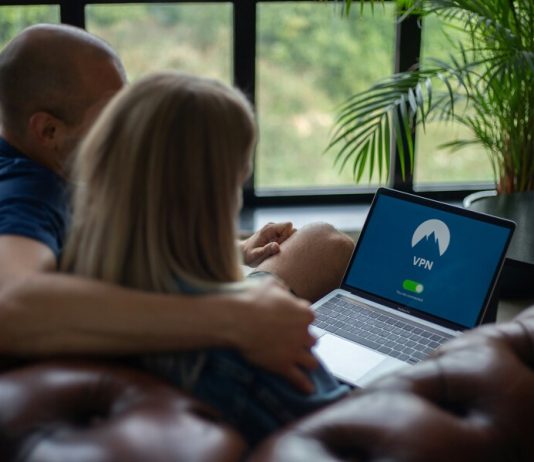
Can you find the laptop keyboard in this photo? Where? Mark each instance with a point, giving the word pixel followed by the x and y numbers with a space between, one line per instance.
pixel 388 334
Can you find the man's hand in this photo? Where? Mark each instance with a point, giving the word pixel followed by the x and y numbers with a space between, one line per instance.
pixel 273 333
pixel 265 242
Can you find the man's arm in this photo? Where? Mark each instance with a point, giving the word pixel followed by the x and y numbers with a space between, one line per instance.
pixel 50 313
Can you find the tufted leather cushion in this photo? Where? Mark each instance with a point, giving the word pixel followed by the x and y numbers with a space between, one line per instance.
pixel 73 411
pixel 472 401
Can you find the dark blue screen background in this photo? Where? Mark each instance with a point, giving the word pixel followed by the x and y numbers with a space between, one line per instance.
pixel 456 286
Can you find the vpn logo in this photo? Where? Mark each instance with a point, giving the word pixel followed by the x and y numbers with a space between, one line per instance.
pixel 442 237
pixel 440 231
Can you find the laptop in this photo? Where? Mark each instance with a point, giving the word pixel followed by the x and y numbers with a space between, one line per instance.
pixel 421 273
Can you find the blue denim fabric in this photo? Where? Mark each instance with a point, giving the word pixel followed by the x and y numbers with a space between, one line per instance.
pixel 252 399
pixel 255 401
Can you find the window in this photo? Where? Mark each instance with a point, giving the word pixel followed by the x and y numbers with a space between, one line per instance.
pixel 309 60
pixel 192 38
pixel 296 59
pixel 435 165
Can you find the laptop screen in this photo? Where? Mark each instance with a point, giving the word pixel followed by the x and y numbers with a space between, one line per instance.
pixel 436 259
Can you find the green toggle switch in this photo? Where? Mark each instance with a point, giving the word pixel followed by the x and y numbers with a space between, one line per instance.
pixel 413 286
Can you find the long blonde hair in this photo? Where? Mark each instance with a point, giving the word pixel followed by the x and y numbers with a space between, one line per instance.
pixel 157 182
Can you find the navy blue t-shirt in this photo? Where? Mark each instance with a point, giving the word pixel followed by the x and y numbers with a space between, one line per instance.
pixel 33 199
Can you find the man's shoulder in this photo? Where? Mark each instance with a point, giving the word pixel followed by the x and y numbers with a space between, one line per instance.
pixel 22 176
pixel 13 162
pixel 33 201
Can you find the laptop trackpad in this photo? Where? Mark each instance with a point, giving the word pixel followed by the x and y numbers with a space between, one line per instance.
pixel 347 361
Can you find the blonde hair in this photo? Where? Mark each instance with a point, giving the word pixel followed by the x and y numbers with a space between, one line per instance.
pixel 157 183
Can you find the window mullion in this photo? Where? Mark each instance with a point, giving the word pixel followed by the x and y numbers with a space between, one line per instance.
pixel 244 65
pixel 73 12
pixel 407 55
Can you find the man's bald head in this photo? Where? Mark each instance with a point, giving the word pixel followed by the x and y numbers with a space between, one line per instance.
pixel 54 69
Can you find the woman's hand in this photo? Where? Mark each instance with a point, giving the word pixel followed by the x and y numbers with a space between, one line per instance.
pixel 265 242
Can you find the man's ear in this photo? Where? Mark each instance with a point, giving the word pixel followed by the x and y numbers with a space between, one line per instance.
pixel 46 130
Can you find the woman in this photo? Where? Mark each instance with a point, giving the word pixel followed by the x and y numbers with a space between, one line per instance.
pixel 158 191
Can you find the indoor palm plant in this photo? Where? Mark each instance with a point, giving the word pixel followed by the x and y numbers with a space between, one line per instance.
pixel 487 85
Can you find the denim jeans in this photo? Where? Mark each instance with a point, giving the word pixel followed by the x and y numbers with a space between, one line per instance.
pixel 252 399
pixel 255 401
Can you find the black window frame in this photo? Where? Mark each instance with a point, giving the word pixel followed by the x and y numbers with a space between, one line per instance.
pixel 407 54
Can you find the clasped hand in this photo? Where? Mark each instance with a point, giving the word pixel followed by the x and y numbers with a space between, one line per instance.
pixel 265 242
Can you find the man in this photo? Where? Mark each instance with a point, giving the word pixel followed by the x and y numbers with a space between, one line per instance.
pixel 54 80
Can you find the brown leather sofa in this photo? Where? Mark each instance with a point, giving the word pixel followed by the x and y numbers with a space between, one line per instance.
pixel 473 401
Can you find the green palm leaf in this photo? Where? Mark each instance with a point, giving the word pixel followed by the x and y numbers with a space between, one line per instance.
pixel 488 86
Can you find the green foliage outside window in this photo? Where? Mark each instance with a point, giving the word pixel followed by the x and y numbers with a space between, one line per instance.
pixel 340 54
pixel 309 59
pixel 15 18
pixel 188 37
